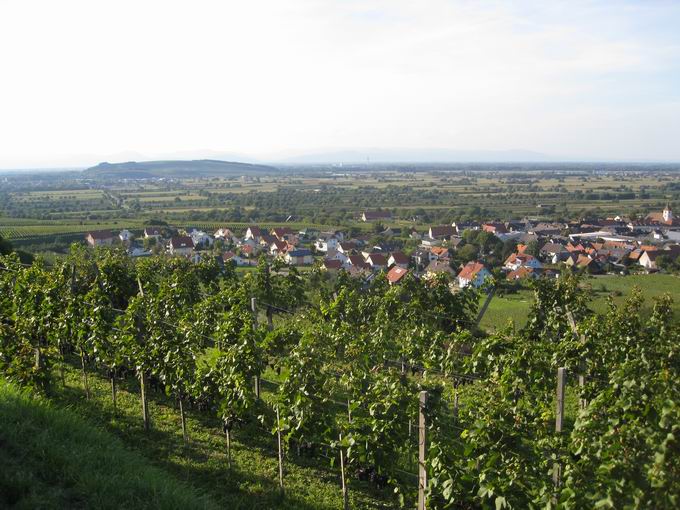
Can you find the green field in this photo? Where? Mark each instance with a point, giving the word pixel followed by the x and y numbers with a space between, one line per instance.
pixel 515 307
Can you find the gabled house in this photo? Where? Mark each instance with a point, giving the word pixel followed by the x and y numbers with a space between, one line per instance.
pixel 200 238
pixel 126 236
pixel 423 257
pixel 441 253
pixel 376 215
pixel 522 273
pixel 182 245
pixel 357 261
pixel 437 267
pixel 231 257
pixel 226 234
pixel 254 233
pixel 377 261
pixel 282 233
pixel 298 257
pixel 325 244
pixel 494 227
pixel 515 261
pixel 441 232
pixel 278 248
pixel 100 238
pixel 398 259
pixel 331 265
pixel 473 273
pixel 154 232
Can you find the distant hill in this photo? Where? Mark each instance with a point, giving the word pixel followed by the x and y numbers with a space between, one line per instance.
pixel 175 168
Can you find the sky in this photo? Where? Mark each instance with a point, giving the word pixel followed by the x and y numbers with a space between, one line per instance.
pixel 83 81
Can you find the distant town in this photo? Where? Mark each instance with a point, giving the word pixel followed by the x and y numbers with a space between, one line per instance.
pixel 468 252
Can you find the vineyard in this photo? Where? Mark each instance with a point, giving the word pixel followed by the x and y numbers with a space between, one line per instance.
pixel 394 388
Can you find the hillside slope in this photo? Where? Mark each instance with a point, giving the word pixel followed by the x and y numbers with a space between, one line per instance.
pixel 175 168
pixel 51 458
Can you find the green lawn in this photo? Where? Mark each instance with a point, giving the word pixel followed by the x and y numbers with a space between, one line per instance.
pixel 515 307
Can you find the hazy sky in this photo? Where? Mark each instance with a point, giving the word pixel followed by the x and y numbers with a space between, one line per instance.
pixel 84 80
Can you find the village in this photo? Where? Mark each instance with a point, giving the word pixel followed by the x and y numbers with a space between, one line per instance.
pixel 468 252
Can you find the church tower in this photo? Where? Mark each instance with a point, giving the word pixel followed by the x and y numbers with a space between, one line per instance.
pixel 668 214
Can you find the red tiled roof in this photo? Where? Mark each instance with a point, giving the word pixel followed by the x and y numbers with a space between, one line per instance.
pixel 396 273
pixel 469 272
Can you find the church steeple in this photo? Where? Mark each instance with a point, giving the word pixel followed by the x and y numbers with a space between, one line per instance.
pixel 668 214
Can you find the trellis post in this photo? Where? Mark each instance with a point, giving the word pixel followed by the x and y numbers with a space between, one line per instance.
pixel 559 419
pixel 253 307
pixel 422 450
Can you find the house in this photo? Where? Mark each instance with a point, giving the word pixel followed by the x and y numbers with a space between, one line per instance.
pixel 395 274
pixel 283 233
pixel 473 273
pixel 226 234
pixel 398 259
pixel 648 259
pixel 154 232
pixel 357 261
pixel 455 242
pixel 347 247
pixel 414 234
pixel 99 238
pixel 182 245
pixel 377 261
pixel 249 250
pixel 429 242
pixel 298 257
pixel 278 248
pixel 230 256
pixel 200 238
pixel 376 215
pixel 441 232
pixel 515 261
pixel 336 255
pixel 494 227
pixel 423 257
pixel 522 273
pixel 554 252
pixel 331 265
pixel 126 236
pixel 325 244
pixel 437 267
pixel 663 218
pixel 253 233
pixel 462 226
pixel 137 251
pixel 440 253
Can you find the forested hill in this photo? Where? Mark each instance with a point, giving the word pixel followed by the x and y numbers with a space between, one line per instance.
pixel 177 168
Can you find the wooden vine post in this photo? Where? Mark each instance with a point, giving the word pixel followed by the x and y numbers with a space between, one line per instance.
pixel 582 402
pixel 345 493
pixel 559 419
pixel 422 450
pixel 253 307
pixel 142 376
pixel 278 436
